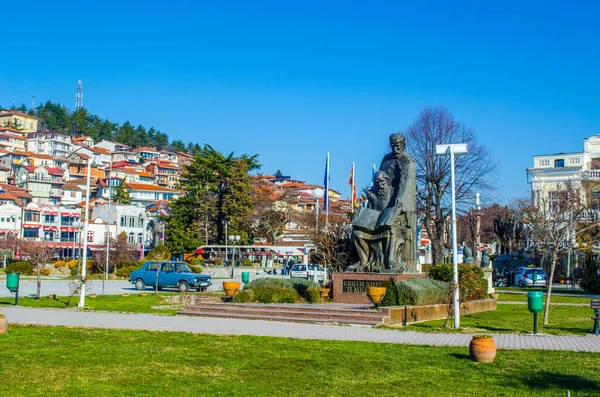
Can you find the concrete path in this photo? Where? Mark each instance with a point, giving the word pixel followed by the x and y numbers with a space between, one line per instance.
pixel 75 318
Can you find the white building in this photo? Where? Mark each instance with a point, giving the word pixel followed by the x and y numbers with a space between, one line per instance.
pixel 553 172
pixel 51 143
pixel 130 219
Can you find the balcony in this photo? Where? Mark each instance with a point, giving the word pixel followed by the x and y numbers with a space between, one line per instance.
pixel 591 175
pixel 56 192
pixel 43 178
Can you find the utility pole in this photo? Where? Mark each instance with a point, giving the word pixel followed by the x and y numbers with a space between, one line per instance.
pixel 477 227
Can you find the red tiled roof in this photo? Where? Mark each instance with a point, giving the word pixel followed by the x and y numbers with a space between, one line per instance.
pixel 16 113
pixel 142 186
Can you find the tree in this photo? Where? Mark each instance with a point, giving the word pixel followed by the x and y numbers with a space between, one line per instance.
pixel 466 224
pixel 121 195
pixel 38 253
pixel 553 219
pixel 272 210
pixel 217 187
pixel 177 146
pixel 124 252
pixel 160 252
pixel 474 171
pixel 278 174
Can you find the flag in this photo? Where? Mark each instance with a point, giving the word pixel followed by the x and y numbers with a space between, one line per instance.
pixel 353 202
pixel 326 184
pixel 351 181
pixel 354 199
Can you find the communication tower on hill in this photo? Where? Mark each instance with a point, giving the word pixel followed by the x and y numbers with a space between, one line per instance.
pixel 79 96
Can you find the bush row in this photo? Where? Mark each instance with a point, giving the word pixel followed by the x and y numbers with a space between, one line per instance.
pixel 274 290
pixel 471 282
pixel 416 292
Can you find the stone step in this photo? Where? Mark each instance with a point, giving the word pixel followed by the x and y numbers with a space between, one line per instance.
pixel 272 317
pixel 290 313
pixel 291 308
pixel 377 317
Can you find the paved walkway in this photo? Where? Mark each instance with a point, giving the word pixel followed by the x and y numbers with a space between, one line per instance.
pixel 219 326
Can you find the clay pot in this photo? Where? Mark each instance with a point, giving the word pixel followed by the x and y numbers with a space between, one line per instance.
pixel 376 294
pixel 482 349
pixel 324 292
pixel 231 287
pixel 3 324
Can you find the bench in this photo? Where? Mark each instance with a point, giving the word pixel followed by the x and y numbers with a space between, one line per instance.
pixel 595 305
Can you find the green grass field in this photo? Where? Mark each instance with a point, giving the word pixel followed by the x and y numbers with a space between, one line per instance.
pixel 42 361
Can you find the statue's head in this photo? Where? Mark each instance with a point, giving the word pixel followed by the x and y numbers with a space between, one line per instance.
pixel 397 143
pixel 382 181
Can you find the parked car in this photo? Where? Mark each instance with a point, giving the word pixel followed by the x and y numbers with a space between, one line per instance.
pixel 170 274
pixel 308 272
pixel 524 277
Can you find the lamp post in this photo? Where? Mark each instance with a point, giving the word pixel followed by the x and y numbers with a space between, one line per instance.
pixel 107 233
pixel 452 150
pixel 233 239
pixel 85 234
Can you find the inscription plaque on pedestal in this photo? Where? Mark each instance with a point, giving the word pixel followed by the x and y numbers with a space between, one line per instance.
pixel 359 286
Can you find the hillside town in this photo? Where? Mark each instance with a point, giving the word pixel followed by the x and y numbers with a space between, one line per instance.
pixel 43 182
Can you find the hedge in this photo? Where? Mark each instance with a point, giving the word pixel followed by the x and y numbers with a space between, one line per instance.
pixel 195 269
pixel 471 281
pixel 22 267
pixel 125 271
pixel 299 284
pixel 273 294
pixel 416 292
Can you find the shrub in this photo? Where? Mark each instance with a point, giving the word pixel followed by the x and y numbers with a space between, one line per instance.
pixel 273 294
pixel 160 252
pixel 125 271
pixel 471 281
pixel 391 294
pixel 22 267
pixel 312 295
pixel 196 269
pixel 244 297
pixel 58 264
pixel 88 268
pixel 441 272
pixel 590 275
pixel 298 284
pixel 247 262
pixel 423 291
pixel 218 262
pixel 197 262
pixel 72 263
pixel 45 272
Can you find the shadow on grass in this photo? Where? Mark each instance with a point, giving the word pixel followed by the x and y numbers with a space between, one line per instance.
pixel 460 356
pixel 544 380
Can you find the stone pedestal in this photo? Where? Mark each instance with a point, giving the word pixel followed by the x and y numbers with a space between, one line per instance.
pixel 352 287
pixel 488 274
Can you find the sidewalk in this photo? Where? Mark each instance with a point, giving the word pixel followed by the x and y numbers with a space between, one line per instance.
pixel 218 326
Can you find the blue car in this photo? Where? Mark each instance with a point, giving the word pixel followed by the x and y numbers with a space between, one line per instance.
pixel 169 274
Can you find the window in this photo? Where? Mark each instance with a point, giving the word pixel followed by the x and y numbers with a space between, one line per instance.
pixel 140 238
pixel 32 216
pixel 167 267
pixel 90 237
pixel 73 194
pixel 559 163
pixel 131 221
pixel 131 238
pixel 152 266
pixel 544 163
pixel 123 221
pixel 30 232
pixel 107 236
pixel 141 221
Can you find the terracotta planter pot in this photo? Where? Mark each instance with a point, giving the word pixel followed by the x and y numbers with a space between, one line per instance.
pixel 376 294
pixel 482 349
pixel 324 292
pixel 3 324
pixel 231 287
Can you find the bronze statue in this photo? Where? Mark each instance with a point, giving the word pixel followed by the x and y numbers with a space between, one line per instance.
pixel 384 233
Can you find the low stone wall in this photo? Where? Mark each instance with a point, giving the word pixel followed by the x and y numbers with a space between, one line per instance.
pixel 404 315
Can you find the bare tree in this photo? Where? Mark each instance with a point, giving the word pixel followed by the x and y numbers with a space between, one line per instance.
pixel 474 171
pixel 37 253
pixel 552 219
pixel 273 210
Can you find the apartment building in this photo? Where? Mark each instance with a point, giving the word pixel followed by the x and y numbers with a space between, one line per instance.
pixel 20 121
pixel 50 143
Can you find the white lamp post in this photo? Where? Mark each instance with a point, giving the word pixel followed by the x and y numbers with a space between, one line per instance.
pixel 85 234
pixel 233 239
pixel 452 150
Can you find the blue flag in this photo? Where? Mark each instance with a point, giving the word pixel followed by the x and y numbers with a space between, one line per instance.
pixel 326 184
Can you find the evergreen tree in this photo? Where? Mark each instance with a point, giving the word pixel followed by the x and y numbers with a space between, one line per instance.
pixel 121 195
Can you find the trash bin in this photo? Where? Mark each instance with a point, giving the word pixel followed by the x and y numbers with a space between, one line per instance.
pixel 245 277
pixel 534 301
pixel 12 281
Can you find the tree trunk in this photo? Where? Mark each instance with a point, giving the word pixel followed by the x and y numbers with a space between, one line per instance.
pixel 549 292
pixel 39 283
pixel 437 252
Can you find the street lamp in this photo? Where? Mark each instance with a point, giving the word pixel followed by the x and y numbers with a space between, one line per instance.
pixel 85 234
pixel 452 150
pixel 233 239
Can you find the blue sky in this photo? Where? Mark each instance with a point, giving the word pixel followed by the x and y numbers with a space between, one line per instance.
pixel 294 80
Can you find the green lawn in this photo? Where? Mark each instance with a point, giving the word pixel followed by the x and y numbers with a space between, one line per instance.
pixel 114 303
pixel 57 361
pixel 563 320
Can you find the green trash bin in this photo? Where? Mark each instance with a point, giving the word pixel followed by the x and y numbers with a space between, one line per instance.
pixel 534 301
pixel 12 281
pixel 245 277
pixel 534 304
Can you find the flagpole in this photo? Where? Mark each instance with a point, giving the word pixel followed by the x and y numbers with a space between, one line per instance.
pixel 327 193
pixel 352 190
